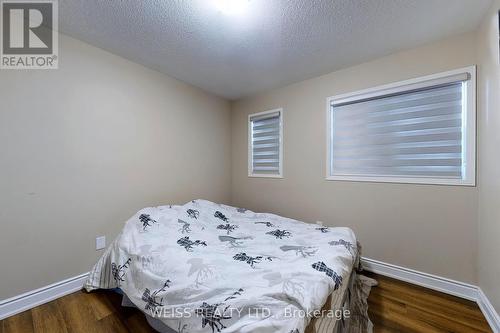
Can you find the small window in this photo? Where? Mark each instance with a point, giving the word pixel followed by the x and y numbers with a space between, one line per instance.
pixel 416 131
pixel 265 144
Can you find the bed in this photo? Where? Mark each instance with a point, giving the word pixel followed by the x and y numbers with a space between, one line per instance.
pixel 208 267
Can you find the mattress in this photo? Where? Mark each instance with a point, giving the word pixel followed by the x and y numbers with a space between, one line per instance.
pixel 207 267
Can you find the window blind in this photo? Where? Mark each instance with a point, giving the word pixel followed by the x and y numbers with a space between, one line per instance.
pixel 413 133
pixel 265 143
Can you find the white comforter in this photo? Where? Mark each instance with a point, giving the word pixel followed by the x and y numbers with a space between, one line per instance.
pixel 205 267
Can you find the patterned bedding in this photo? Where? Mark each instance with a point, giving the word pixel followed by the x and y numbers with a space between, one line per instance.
pixel 206 267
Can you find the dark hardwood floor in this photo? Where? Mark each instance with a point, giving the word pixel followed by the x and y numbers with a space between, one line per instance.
pixel 394 307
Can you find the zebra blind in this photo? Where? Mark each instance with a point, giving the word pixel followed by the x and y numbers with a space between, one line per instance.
pixel 414 133
pixel 265 143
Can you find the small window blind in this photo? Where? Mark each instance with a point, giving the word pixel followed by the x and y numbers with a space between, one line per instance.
pixel 417 132
pixel 265 143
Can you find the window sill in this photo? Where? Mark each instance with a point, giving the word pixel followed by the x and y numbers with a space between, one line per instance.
pixel 404 180
pixel 264 176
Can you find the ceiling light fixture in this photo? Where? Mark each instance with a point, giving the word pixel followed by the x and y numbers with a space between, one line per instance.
pixel 231 7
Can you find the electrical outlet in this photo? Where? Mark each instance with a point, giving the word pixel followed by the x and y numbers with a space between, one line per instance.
pixel 100 242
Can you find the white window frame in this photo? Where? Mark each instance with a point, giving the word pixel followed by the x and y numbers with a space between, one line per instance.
pixel 250 146
pixel 468 128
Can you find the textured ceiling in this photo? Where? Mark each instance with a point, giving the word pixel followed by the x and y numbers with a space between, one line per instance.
pixel 271 44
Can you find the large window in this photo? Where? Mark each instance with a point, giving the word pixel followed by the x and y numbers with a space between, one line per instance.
pixel 265 144
pixel 416 131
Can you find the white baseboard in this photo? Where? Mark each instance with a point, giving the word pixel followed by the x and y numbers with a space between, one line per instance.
pixel 489 311
pixel 430 281
pixel 31 299
pixel 441 284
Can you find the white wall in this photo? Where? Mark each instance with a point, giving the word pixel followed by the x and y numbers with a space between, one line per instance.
pixel 428 228
pixel 86 146
pixel 489 157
